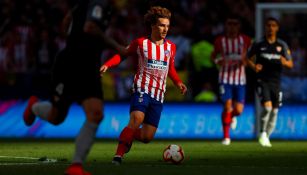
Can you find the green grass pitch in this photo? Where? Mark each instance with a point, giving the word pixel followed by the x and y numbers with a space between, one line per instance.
pixel 18 157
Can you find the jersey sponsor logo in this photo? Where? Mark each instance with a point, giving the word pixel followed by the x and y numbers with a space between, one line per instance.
pixel 271 56
pixel 97 12
pixel 234 56
pixel 278 48
pixel 155 64
pixel 263 48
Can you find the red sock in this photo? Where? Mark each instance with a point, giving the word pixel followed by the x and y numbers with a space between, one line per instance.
pixel 137 134
pixel 125 139
pixel 226 120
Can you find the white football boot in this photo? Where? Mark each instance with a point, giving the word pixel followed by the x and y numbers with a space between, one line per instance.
pixel 226 141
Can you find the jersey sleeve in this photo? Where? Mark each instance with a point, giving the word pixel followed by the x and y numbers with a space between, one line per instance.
pixel 248 41
pixel 132 48
pixel 116 59
pixel 99 13
pixel 252 50
pixel 113 61
pixel 172 73
pixel 286 51
pixel 217 49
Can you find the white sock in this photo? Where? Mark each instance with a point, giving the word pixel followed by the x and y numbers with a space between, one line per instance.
pixel 41 109
pixel 272 121
pixel 84 141
pixel 265 118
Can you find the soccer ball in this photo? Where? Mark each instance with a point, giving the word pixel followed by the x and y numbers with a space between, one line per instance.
pixel 173 153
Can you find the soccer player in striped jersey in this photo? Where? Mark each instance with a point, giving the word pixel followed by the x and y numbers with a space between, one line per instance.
pixel 267 58
pixel 229 53
pixel 155 56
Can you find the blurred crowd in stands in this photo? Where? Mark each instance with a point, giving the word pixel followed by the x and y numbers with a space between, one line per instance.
pixel 31 34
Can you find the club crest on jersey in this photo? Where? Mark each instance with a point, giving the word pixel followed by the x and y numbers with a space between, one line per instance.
pixel 278 48
pixel 97 12
pixel 167 53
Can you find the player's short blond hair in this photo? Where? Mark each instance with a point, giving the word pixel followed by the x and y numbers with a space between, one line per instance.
pixel 154 13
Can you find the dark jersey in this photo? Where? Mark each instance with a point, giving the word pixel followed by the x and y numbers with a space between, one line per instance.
pixel 268 55
pixel 76 75
pixel 97 11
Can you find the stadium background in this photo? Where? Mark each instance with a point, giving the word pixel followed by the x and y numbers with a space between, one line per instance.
pixel 31 35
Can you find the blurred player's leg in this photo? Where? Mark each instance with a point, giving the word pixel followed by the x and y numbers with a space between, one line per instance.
pixel 42 109
pixel 29 115
pixel 226 121
pixel 85 139
pixel 226 96
pixel 76 169
pixel 272 121
pixel 239 99
pixel 53 112
pixel 263 139
pixel 234 123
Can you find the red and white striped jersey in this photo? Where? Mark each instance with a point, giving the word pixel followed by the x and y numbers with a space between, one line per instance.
pixel 232 51
pixel 155 63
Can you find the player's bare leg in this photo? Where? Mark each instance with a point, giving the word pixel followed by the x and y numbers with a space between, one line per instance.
pixel 127 135
pixel 145 134
pixel 237 110
pixel 44 110
pixel 28 115
pixel 93 108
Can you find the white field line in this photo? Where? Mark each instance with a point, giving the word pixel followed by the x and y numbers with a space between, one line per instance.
pixel 27 158
pixel 17 157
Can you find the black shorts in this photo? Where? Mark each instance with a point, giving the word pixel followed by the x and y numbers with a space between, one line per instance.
pixel 269 92
pixel 75 77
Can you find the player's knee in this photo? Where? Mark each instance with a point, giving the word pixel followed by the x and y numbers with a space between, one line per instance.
pixel 95 116
pixel 147 138
pixel 267 109
pixel 57 117
pixel 227 108
pixel 237 112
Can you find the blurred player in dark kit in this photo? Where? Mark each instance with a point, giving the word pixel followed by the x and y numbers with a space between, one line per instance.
pixel 76 76
pixel 267 57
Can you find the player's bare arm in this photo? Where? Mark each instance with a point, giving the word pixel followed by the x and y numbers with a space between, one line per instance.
pixel 183 88
pixel 66 23
pixel 286 63
pixel 217 60
pixel 251 63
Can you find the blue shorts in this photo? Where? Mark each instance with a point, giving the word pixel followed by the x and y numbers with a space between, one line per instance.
pixel 150 106
pixel 233 92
